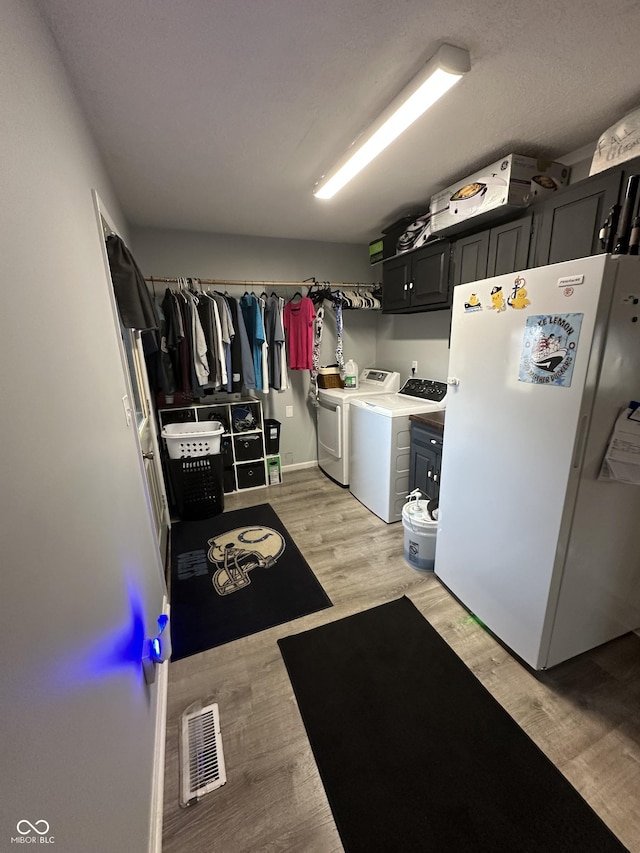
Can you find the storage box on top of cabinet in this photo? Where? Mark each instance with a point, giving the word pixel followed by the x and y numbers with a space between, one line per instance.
pixel 510 183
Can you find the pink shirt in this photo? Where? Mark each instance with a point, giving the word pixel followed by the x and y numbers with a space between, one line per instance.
pixel 298 323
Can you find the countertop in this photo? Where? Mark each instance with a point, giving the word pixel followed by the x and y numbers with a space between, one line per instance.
pixel 430 419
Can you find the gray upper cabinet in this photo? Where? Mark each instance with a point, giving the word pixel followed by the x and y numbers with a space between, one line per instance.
pixel 509 247
pixel 470 258
pixel 396 274
pixel 568 224
pixel 562 227
pixel 417 281
pixel 498 250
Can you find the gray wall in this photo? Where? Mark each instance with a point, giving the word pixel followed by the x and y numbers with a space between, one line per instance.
pixel 219 256
pixel 415 337
pixel 81 580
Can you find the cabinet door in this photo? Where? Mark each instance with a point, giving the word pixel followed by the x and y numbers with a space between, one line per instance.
pixel 509 247
pixel 425 460
pixel 395 284
pixel 470 258
pixel 429 283
pixel 570 221
pixel 425 470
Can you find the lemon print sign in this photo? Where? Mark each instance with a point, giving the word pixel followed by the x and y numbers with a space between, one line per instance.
pixel 549 349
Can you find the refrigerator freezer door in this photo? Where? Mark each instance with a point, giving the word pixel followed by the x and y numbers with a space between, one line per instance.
pixel 509 443
pixel 599 595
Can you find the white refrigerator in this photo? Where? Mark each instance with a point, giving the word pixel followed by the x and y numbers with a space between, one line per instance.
pixel 530 540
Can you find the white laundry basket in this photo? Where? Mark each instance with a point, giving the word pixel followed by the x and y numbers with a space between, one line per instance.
pixel 419 533
pixel 192 439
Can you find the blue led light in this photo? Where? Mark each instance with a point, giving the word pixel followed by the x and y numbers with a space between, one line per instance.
pixel 108 652
pixel 156 649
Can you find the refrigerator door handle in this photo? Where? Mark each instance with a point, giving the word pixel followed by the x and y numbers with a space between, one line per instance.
pixel 581 441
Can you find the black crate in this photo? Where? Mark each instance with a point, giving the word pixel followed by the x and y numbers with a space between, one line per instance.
pixel 248 446
pixel 271 436
pixel 197 486
pixel 250 475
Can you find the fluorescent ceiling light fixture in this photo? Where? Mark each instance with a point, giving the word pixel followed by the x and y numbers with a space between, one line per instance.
pixel 440 73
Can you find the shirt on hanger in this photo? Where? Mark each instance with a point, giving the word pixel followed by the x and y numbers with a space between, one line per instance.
pixel 255 333
pixel 275 339
pixel 298 323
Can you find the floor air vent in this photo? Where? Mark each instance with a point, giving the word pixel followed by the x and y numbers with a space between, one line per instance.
pixel 202 759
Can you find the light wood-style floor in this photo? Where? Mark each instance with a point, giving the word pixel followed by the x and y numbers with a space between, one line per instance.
pixel 584 714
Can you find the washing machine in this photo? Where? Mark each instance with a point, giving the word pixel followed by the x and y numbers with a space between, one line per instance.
pixel 381 444
pixel 333 419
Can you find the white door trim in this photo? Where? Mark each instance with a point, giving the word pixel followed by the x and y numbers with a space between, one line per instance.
pixel 102 215
pixel 157 782
pixel 161 685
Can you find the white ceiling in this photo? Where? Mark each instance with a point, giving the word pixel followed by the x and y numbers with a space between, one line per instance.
pixel 220 116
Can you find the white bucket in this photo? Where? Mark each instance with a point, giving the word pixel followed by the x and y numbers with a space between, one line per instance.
pixel 419 535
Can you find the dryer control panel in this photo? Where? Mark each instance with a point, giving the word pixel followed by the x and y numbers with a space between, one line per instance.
pixel 382 381
pixel 429 390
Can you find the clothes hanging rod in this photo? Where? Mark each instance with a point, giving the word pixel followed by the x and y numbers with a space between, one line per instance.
pixel 338 285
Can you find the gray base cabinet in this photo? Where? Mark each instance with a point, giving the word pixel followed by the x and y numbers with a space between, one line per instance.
pixel 425 460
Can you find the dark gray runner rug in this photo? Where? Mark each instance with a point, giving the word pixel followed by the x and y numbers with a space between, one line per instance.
pixel 416 755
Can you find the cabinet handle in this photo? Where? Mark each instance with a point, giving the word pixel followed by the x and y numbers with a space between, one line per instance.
pixel 410 285
pixel 406 287
pixel 429 474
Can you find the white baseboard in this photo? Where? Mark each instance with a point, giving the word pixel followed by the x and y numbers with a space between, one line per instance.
pixel 157 782
pixel 298 466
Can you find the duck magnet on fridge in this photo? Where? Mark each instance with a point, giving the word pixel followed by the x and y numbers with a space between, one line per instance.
pixel 518 298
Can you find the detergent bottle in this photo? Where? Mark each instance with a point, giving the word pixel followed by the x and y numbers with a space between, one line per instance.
pixel 351 375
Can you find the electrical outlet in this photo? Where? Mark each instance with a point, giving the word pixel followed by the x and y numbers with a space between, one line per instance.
pixel 289 411
pixel 414 366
